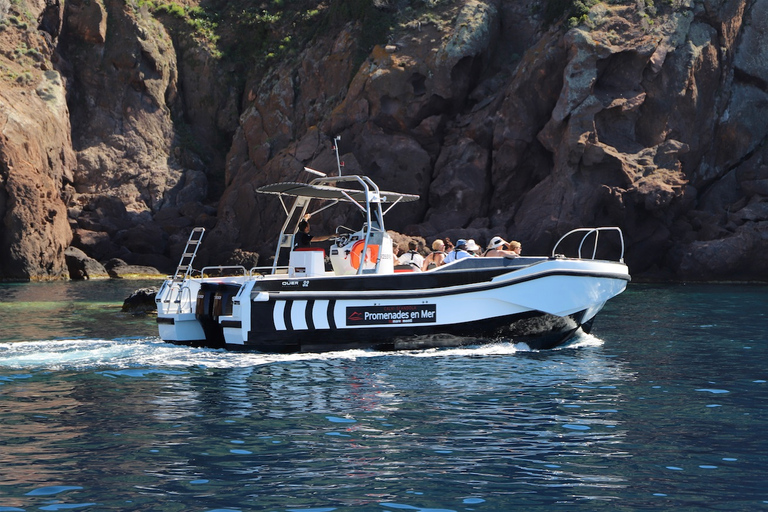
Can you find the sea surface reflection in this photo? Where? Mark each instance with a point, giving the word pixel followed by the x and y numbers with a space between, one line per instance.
pixel 664 407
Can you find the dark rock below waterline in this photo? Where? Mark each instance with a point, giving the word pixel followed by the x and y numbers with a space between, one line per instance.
pixel 141 302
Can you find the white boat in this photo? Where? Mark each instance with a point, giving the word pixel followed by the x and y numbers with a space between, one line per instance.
pixel 341 300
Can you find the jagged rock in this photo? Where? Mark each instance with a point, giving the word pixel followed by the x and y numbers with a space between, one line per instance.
pixel 87 19
pixel 400 241
pixel 649 117
pixel 141 302
pixel 81 266
pixel 119 269
pixel 36 157
pixel 97 243
pixel 245 259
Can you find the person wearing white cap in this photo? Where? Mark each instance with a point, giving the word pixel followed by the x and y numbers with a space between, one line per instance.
pixel 496 249
pixel 459 252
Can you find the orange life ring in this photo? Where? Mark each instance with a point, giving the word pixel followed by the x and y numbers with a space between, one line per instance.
pixel 371 255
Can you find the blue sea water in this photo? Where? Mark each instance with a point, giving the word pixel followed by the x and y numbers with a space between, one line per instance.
pixel 663 407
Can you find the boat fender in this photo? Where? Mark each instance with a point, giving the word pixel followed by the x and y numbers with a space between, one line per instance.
pixel 372 254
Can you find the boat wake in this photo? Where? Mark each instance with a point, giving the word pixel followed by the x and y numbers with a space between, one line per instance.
pixel 83 354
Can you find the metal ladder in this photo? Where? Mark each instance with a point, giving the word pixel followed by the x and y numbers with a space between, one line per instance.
pixel 190 251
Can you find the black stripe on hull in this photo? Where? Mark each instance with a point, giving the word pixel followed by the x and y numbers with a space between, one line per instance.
pixel 287 315
pixel 331 317
pixel 412 285
pixel 539 330
pixel 308 315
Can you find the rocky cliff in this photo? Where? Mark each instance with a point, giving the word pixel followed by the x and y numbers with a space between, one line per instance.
pixel 125 124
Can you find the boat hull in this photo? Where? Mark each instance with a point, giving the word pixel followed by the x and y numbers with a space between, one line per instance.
pixel 538 331
pixel 542 303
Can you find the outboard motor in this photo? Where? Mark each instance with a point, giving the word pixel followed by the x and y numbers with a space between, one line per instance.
pixel 214 300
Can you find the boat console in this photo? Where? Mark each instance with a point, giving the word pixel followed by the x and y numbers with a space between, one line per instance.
pixel 349 252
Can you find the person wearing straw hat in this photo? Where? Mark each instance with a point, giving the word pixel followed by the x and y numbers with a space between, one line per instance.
pixel 496 249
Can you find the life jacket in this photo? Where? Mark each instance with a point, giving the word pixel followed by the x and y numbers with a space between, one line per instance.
pixel 432 263
pixel 413 263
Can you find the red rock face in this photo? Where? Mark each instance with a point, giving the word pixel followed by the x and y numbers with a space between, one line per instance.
pixel 35 231
pixel 36 159
pixel 650 120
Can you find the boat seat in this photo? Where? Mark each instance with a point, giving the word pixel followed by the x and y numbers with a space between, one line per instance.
pixel 310 249
pixel 307 262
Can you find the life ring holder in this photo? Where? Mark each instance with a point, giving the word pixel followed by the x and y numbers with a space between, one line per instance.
pixel 371 255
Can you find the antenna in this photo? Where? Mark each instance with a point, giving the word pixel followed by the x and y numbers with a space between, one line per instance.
pixel 307 169
pixel 339 164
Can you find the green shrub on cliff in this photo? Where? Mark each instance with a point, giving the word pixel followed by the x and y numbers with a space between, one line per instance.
pixel 259 33
pixel 575 11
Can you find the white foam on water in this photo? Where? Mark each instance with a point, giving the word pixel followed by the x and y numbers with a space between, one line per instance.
pixel 153 352
pixel 581 340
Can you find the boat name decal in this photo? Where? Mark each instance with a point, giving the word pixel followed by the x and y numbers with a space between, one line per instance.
pixel 380 315
pixel 304 284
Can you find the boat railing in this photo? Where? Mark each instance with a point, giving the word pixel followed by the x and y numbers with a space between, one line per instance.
pixel 224 271
pixel 585 234
pixel 174 297
pixel 262 271
pixel 184 290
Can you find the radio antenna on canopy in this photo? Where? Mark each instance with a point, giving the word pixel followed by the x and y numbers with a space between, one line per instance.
pixel 339 163
pixel 313 171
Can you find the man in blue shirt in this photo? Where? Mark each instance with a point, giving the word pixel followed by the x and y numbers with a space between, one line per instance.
pixel 459 252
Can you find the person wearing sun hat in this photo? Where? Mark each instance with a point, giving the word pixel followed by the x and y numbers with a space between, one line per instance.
pixel 496 249
pixel 473 248
pixel 459 252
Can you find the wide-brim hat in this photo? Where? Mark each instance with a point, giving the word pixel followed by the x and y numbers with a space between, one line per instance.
pixel 472 246
pixel 496 241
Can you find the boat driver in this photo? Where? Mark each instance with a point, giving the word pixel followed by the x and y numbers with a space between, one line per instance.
pixel 303 238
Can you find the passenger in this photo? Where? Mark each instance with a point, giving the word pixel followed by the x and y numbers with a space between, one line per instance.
pixel 458 253
pixel 303 238
pixel 448 245
pixel 496 249
pixel 473 248
pixel 412 257
pixel 515 247
pixel 436 257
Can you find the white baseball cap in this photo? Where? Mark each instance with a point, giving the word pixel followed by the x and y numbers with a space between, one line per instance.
pixel 496 241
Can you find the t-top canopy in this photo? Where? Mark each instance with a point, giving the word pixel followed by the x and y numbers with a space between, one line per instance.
pixel 329 192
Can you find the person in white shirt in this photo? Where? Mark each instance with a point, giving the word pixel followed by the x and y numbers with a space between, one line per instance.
pixel 412 257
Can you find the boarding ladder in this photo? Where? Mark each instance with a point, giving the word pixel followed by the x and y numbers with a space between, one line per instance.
pixel 190 251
